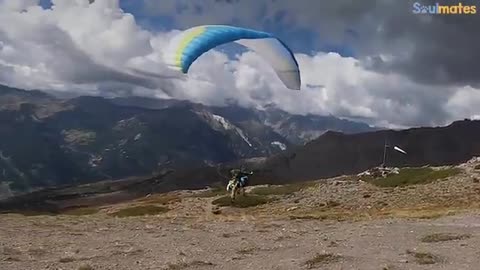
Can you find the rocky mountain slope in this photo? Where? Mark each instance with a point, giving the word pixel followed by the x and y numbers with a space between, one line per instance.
pixel 297 129
pixel 48 141
pixel 334 153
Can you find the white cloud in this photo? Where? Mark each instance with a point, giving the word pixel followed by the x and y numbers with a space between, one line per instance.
pixel 92 48
pixel 17 5
pixel 74 43
pixel 465 103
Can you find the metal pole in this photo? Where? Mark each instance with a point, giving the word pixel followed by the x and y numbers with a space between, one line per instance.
pixel 384 153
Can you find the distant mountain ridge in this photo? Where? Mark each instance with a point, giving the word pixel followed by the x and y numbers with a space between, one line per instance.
pixel 335 153
pixel 297 129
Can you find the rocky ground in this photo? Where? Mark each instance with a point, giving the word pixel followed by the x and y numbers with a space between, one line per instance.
pixel 340 223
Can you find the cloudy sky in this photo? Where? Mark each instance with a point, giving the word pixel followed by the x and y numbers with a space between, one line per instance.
pixel 370 60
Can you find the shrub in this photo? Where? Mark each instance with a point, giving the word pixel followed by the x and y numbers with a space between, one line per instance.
pixel 414 176
pixel 424 257
pixel 442 237
pixel 242 201
pixel 320 259
pixel 141 210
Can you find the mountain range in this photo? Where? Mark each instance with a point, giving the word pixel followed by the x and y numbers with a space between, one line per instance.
pixel 335 154
pixel 297 129
pixel 49 141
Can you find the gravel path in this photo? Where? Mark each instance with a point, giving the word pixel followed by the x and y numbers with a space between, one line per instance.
pixel 152 242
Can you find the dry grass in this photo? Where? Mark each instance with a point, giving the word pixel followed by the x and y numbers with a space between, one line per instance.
pixel 287 189
pixel 338 214
pixel 11 251
pixel 81 211
pixel 282 238
pixel 247 251
pixel 424 257
pixel 184 265
pixel 217 189
pixel 85 267
pixel 326 214
pixel 419 213
pixel 268 225
pixel 136 251
pixel 141 210
pixel 29 213
pixel 161 199
pixel 242 201
pixel 442 237
pixel 321 259
pixel 37 252
pixel 213 192
pixel 66 260
pixel 414 176
pixel 331 203
pixel 12 259
pixel 315 217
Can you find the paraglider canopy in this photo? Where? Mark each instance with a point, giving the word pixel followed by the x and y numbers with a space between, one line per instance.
pixel 190 44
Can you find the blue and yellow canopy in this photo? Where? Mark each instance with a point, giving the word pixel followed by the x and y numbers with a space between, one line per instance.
pixel 190 44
